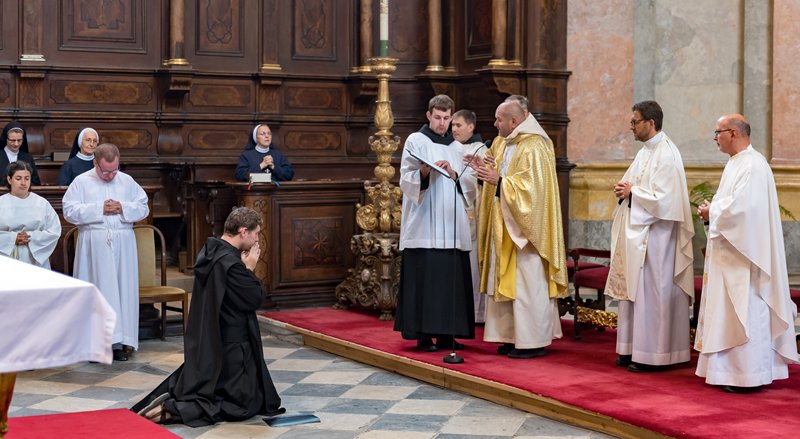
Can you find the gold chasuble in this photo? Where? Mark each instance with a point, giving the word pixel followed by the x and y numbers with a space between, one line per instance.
pixel 529 191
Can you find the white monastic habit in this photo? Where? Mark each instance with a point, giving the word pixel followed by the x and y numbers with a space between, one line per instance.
pixel 745 333
pixel 428 214
pixel 472 196
pixel 106 251
pixel 651 263
pixel 531 320
pixel 35 216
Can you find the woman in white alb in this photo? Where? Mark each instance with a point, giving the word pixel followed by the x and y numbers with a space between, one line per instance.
pixel 29 227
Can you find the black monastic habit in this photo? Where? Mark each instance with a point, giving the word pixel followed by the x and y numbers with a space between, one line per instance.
pixel 224 376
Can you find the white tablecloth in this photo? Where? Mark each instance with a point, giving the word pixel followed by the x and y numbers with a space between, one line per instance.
pixel 48 319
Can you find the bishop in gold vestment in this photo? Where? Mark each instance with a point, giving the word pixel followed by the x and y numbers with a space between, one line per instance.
pixel 520 236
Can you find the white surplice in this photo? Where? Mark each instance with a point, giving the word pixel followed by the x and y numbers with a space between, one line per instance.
pixel 651 264
pixel 745 332
pixel 472 196
pixel 35 216
pixel 106 251
pixel 428 214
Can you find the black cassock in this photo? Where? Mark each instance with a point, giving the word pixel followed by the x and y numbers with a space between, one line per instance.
pixel 224 376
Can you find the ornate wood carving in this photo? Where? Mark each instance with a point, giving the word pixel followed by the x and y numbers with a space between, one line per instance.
pixel 109 26
pixel 220 27
pixel 221 94
pixel 317 242
pixel 127 91
pixel 314 29
pixel 129 138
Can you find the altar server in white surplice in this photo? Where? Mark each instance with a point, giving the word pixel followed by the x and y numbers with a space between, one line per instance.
pixel 29 227
pixel 435 294
pixel 745 332
pixel 463 126
pixel 104 204
pixel 651 251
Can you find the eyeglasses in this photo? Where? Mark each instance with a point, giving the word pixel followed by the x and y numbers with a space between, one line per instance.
pixel 718 132
pixel 113 171
pixel 635 122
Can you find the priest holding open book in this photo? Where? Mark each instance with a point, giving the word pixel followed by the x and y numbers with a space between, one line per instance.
pixel 435 297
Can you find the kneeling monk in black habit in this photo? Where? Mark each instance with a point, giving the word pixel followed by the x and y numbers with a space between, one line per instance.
pixel 224 376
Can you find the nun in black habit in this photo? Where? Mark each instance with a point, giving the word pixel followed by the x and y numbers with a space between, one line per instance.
pixel 81 158
pixel 21 151
pixel 260 147
pixel 224 376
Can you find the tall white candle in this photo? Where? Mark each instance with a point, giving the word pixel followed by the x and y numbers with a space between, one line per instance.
pixel 384 28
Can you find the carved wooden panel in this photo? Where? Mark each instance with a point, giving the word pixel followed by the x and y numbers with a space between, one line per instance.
pixel 315 240
pixel 213 95
pixel 315 37
pixel 269 97
pixel 225 140
pixel 220 27
pixel 317 243
pixel 31 92
pixel 315 30
pixel 123 92
pixel 325 98
pixel 548 95
pixel 408 27
pixel 6 87
pixel 478 35
pixel 136 140
pixel 312 141
pixel 102 25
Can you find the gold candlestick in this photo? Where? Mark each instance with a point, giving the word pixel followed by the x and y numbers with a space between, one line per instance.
pixel 374 281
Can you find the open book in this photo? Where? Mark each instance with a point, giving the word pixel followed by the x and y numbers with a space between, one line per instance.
pixel 433 166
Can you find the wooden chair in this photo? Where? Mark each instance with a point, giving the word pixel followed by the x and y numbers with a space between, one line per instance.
pixel 588 275
pixel 151 291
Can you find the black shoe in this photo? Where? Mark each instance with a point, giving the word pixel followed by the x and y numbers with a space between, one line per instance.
pixel 527 353
pixel 120 355
pixel 737 389
pixel 447 343
pixel 505 348
pixel 273 413
pixel 639 367
pixel 425 344
pixel 623 360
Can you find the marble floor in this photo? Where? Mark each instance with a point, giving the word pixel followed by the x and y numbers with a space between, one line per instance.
pixel 351 399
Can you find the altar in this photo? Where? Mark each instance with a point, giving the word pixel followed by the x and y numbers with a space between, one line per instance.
pixel 48 320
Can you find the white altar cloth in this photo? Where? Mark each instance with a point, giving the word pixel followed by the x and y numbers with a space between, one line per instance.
pixel 49 320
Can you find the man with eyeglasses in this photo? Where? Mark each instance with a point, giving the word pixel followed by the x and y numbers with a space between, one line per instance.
pixel 105 204
pixel 651 251
pixel 15 148
pixel 745 333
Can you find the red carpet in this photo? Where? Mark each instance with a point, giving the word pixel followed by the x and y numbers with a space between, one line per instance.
pixel 117 423
pixel 582 373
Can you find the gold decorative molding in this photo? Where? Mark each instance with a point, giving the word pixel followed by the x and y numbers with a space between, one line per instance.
pixel 176 62
pixel 596 317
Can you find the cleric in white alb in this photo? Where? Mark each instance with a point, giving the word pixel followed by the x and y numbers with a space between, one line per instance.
pixel 105 204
